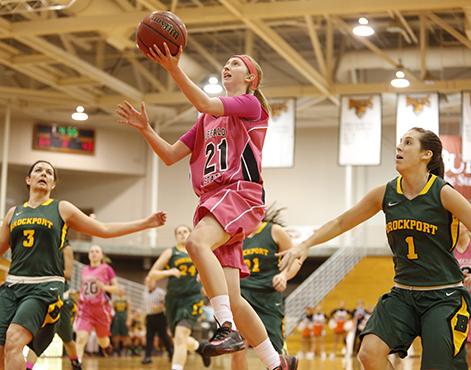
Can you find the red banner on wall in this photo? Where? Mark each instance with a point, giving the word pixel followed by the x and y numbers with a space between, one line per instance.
pixel 457 172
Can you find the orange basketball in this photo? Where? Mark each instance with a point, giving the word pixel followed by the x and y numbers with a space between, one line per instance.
pixel 160 27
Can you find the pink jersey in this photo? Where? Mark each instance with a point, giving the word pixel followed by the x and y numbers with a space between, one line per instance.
pixel 464 259
pixel 228 148
pixel 89 291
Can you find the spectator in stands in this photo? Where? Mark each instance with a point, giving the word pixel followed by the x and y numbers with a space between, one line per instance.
pixel 305 327
pixel 319 320
pixel 340 324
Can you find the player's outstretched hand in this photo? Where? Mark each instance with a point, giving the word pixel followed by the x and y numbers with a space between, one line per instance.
pixel 132 117
pixel 157 219
pixel 291 255
pixel 166 60
pixel 280 282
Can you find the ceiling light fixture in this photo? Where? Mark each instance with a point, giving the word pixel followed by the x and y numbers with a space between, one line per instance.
pixel 363 30
pixel 79 114
pixel 213 86
pixel 400 81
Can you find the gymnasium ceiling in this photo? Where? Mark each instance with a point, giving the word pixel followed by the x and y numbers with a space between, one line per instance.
pixel 56 54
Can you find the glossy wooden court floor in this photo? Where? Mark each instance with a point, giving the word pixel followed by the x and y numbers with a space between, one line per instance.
pixel 194 363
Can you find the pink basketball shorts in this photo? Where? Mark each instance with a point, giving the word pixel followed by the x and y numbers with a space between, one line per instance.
pixel 239 208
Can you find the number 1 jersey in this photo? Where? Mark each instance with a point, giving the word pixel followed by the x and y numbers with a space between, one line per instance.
pixel 422 235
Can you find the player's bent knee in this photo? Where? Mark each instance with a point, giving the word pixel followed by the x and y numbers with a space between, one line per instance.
pixel 17 338
pixel 366 356
pixel 193 247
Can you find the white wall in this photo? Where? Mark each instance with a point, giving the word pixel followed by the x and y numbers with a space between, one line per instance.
pixel 118 151
pixel 116 183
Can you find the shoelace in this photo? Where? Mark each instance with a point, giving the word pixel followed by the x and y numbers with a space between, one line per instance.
pixel 221 332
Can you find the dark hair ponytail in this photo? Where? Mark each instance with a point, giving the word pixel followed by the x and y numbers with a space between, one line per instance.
pixel 273 215
pixel 430 141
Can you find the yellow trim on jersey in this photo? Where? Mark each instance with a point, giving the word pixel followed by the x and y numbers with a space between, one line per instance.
pixel 46 203
pixel 261 227
pixel 428 185
pixel 454 231
pixel 426 188
pixel 63 235
pixel 398 185
pixel 459 335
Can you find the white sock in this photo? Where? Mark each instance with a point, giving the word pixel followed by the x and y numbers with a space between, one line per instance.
pixel 177 367
pixel 222 309
pixel 267 354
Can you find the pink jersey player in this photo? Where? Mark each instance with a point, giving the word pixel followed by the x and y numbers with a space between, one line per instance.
pixel 226 151
pixel 94 308
pixel 226 171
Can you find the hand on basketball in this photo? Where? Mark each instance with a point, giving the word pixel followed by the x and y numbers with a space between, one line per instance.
pixel 280 282
pixel 157 219
pixel 290 256
pixel 132 117
pixel 166 60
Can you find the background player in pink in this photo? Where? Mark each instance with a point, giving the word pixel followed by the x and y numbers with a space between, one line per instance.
pixel 462 253
pixel 94 309
pixel 226 150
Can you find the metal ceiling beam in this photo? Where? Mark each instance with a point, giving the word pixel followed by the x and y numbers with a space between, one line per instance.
pixel 219 15
pixel 316 45
pixel 209 57
pixel 80 66
pixel 174 98
pixel 277 43
pixel 395 63
pixel 423 46
pixel 145 72
pixel 406 26
pixel 452 31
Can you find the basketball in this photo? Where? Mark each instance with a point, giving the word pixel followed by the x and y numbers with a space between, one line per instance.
pixel 160 27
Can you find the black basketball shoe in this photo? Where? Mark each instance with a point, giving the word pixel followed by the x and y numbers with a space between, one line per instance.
pixel 225 340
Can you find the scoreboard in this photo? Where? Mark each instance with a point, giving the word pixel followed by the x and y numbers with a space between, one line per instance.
pixel 63 138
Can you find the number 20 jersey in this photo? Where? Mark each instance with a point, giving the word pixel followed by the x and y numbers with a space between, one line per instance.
pixel 422 235
pixel 37 236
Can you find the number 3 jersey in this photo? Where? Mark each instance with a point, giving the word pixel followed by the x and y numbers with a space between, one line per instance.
pixel 37 236
pixel 187 284
pixel 422 235
pixel 227 148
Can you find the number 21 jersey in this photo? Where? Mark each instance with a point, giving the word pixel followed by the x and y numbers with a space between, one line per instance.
pixel 227 148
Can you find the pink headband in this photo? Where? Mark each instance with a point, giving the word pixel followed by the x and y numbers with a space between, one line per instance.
pixel 251 67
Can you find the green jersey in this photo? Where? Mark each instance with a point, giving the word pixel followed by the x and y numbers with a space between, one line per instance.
pixel 186 284
pixel 120 307
pixel 36 238
pixel 422 235
pixel 259 256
